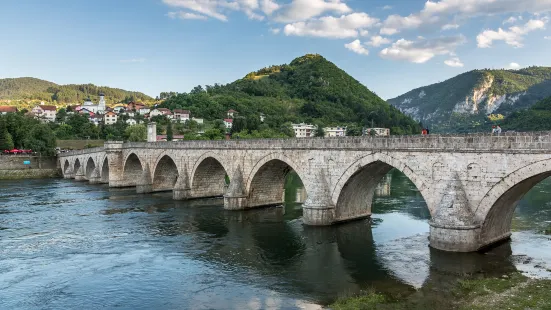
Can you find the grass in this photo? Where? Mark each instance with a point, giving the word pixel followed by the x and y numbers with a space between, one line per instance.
pixel 78 144
pixel 513 291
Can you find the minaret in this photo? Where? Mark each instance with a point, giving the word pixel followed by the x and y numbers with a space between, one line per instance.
pixel 101 104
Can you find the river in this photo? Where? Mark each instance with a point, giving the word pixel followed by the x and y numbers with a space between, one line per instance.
pixel 71 245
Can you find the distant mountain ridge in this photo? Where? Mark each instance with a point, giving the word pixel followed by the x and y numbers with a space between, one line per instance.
pixel 28 88
pixel 462 103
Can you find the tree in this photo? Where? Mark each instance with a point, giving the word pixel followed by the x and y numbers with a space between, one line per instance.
pixel 353 130
pixel 61 115
pixel 136 133
pixel 41 139
pixel 169 134
pixel 319 131
pixel 6 140
pixel 239 124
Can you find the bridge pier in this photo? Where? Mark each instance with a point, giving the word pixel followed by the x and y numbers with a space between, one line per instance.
pixel 145 183
pixel 454 228
pixel 318 209
pixel 182 188
pixel 69 174
pixel 95 178
pixel 79 176
pixel 235 197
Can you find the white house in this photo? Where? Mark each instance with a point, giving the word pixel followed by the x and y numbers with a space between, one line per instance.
pixel 155 112
pixel 228 122
pixel 376 131
pixel 144 110
pixel 110 118
pixel 45 112
pixel 231 113
pixel 338 131
pixel 96 119
pixel 303 130
pixel 262 117
pixel 181 115
pixel 131 121
pixel 199 121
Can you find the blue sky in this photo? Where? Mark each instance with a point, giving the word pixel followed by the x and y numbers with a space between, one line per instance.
pixel 173 45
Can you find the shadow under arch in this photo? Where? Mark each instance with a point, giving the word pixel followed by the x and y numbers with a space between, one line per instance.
pixel 76 166
pixel 266 182
pixel 132 170
pixel 355 189
pixel 495 211
pixel 105 171
pixel 90 166
pixel 66 167
pixel 208 177
pixel 165 174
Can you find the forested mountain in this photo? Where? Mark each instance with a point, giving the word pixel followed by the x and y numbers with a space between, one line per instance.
pixel 536 118
pixel 309 89
pixel 28 88
pixel 472 100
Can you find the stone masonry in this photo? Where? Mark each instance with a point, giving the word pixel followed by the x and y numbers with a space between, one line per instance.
pixel 471 183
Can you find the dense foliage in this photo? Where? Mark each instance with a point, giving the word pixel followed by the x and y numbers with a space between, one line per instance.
pixel 538 117
pixel 310 89
pixel 35 89
pixel 25 133
pixel 434 105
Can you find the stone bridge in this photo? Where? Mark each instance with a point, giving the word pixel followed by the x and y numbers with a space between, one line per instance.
pixel 471 183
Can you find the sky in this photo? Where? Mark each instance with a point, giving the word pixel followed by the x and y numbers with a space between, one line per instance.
pixel 152 46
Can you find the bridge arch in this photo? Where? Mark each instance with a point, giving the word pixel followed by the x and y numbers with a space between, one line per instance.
pixel 132 170
pixel 66 166
pixel 208 177
pixel 496 209
pixel 76 166
pixel 90 166
pixel 266 182
pixel 105 170
pixel 353 193
pixel 165 173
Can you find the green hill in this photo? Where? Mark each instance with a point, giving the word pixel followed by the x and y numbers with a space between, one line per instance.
pixel 309 89
pixel 463 103
pixel 536 118
pixel 27 88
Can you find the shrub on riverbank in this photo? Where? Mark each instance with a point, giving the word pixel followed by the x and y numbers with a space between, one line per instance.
pixel 513 291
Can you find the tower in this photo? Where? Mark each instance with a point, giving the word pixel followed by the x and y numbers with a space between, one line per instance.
pixel 101 104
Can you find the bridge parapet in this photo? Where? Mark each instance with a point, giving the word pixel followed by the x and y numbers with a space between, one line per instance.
pixel 508 142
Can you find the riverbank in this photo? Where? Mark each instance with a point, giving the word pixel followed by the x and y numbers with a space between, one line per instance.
pixel 16 167
pixel 20 174
pixel 510 291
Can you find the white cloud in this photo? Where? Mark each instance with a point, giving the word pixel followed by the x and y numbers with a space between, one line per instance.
pixel 387 7
pixel 209 8
pixel 454 62
pixel 514 36
pixel 547 37
pixel 450 26
pixel 512 20
pixel 133 60
pixel 300 10
pixel 423 50
pixel 439 12
pixel 269 6
pixel 388 31
pixel 514 65
pixel 377 41
pixel 357 47
pixel 275 30
pixel 186 15
pixel 364 33
pixel 346 26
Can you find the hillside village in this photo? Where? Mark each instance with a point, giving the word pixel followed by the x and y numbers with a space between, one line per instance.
pixel 134 113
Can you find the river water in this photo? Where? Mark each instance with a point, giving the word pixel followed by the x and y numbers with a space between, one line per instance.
pixel 70 245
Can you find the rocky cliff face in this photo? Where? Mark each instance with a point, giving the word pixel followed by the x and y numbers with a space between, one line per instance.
pixel 474 94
